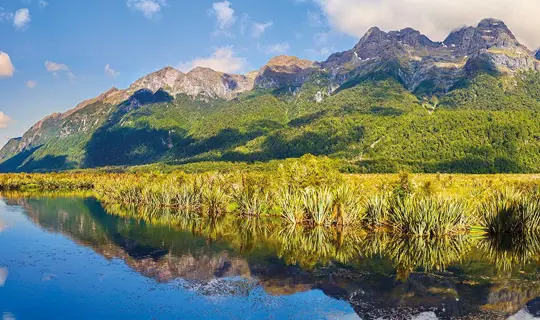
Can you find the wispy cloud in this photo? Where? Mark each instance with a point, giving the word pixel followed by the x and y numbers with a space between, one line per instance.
pixel 276 48
pixel 110 72
pixel 22 19
pixel 31 84
pixel 259 28
pixel 4 120
pixel 6 67
pixel 55 68
pixel 223 59
pixel 42 3
pixel 5 15
pixel 149 8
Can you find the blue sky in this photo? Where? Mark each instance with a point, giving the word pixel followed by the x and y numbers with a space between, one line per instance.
pixel 64 51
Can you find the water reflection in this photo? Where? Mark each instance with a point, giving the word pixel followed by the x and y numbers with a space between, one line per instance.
pixel 377 274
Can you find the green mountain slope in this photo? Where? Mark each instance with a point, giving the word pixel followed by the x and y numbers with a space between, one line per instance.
pixel 420 106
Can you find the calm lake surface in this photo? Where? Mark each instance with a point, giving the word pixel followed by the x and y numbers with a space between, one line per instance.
pixel 67 258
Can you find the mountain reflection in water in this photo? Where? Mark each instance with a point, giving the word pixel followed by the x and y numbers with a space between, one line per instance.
pixel 377 274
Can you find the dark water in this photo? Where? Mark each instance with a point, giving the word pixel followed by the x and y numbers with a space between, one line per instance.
pixel 66 258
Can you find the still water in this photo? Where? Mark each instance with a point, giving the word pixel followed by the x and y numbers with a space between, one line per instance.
pixel 69 258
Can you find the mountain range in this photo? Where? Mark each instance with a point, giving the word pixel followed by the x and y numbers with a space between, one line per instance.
pixel 397 100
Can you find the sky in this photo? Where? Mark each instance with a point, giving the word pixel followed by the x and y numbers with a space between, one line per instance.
pixel 57 53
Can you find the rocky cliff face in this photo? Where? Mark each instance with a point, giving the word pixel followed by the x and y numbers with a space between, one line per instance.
pixel 284 71
pixel 200 82
pixel 419 62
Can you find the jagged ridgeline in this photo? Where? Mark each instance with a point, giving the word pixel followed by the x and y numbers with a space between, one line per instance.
pixel 396 101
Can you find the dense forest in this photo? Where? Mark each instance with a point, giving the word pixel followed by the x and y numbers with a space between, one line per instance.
pixel 487 124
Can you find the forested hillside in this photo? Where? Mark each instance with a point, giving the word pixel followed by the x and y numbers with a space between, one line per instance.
pixel 394 102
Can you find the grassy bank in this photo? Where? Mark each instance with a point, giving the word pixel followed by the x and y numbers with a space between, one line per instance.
pixel 310 192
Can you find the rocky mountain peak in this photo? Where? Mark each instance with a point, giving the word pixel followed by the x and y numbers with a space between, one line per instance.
pixel 490 33
pixel 377 43
pixel 164 78
pixel 284 71
pixel 288 64
pixel 203 71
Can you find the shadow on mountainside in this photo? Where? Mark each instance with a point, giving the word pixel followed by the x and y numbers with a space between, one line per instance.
pixel 115 144
pixel 24 162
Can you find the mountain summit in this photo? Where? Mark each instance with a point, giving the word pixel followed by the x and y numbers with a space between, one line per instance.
pixel 207 115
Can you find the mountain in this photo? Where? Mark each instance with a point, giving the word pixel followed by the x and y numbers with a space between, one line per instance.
pixel 395 101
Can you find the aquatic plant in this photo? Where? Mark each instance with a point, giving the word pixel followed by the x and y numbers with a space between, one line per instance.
pixel 376 210
pixel 427 216
pixel 318 205
pixel 188 199
pixel 214 200
pixel 251 200
pixel 291 205
pixel 510 212
pixel 347 205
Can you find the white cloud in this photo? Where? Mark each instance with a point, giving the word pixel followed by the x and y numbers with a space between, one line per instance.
pixel 31 84
pixel 222 59
pixel 110 72
pixel 276 48
pixel 434 18
pixel 259 28
pixel 6 67
pixel 42 3
pixel 224 14
pixel 22 18
pixel 149 8
pixel 55 68
pixel 4 120
pixel 5 16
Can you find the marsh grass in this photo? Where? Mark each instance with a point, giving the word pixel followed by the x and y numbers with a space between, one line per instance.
pixel 251 200
pixel 306 192
pixel 291 206
pixel 318 205
pixel 510 212
pixel 347 206
pixel 427 216
pixel 376 210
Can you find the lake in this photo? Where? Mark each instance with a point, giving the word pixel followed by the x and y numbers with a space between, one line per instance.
pixel 69 257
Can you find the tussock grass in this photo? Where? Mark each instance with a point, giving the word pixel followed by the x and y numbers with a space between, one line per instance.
pixel 510 212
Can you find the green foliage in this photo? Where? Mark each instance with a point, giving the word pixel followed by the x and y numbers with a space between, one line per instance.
pixel 486 124
pixel 431 217
pixel 510 212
